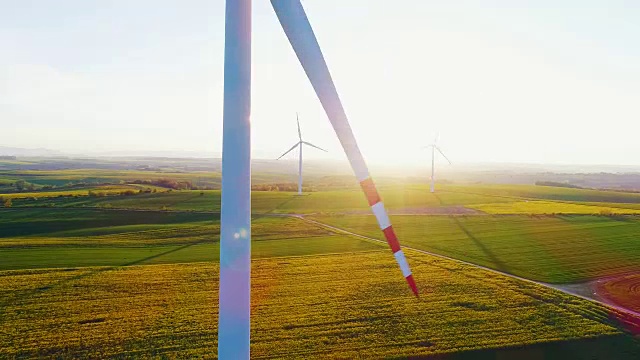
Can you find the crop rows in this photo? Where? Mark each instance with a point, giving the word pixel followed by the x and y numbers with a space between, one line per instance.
pixel 554 207
pixel 343 306
pixel 546 248
pixel 623 290
pixel 87 237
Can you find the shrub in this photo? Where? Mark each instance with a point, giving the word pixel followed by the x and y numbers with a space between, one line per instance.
pixel 96 193
pixel 20 185
pixel 606 212
pixel 558 184
pixel 292 187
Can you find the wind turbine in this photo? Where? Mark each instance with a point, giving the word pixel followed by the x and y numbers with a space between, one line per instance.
pixel 435 147
pixel 235 220
pixel 299 145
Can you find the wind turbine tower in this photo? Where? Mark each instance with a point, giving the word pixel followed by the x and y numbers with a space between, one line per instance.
pixel 299 145
pixel 234 322
pixel 435 147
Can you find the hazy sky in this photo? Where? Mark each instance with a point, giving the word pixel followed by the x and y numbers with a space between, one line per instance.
pixel 517 81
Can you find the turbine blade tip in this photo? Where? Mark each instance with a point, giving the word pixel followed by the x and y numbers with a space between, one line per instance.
pixel 412 285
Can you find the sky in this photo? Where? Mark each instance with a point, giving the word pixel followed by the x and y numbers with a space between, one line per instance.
pixel 500 81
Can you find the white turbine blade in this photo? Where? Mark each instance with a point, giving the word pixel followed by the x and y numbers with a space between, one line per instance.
pixel 445 156
pixel 317 147
pixel 296 26
pixel 235 215
pixel 299 132
pixel 435 141
pixel 288 151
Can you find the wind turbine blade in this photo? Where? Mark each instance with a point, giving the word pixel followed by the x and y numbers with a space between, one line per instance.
pixel 296 26
pixel 234 321
pixel 288 151
pixel 317 147
pixel 299 132
pixel 437 138
pixel 445 156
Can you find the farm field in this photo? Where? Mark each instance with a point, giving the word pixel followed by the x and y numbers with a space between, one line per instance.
pixel 349 227
pixel 143 267
pixel 341 306
pixel 265 201
pixel 549 207
pixel 554 249
pixel 102 190
pixel 546 193
pixel 623 290
pixel 399 198
pixel 89 237
pixel 62 177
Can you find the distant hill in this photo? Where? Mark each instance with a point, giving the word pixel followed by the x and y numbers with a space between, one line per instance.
pixel 619 177
pixel 21 152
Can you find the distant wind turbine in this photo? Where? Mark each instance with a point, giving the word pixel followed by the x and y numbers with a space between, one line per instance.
pixel 435 147
pixel 299 145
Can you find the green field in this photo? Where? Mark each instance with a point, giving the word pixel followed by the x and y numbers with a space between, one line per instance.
pixel 546 193
pixel 63 177
pixel 105 190
pixel 555 249
pixel 519 199
pixel 558 248
pixel 265 201
pixel 549 207
pixel 91 237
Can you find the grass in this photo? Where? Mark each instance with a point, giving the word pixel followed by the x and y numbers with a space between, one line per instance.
pixel 91 237
pixel 549 207
pixel 499 199
pixel 546 193
pixel 104 190
pixel 23 222
pixel 276 202
pixel 335 306
pixel 560 249
pixel 60 177
pixel 74 256
pixel 555 249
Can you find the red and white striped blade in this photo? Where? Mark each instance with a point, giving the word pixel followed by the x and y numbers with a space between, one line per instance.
pixel 300 34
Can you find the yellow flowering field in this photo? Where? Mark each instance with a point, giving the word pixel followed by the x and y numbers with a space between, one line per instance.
pixel 325 306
